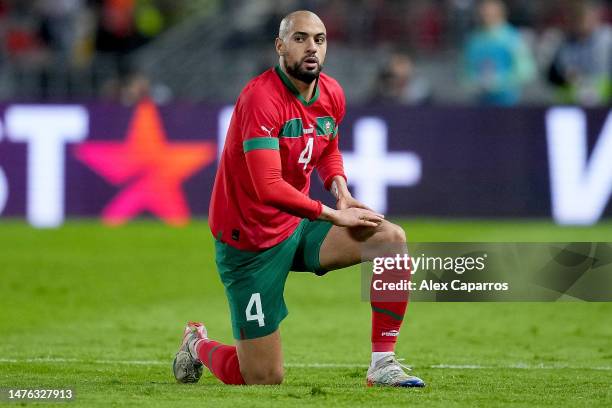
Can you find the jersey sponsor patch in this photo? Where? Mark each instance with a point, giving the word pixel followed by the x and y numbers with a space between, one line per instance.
pixel 310 130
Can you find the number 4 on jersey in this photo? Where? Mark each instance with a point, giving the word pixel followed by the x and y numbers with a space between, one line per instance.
pixel 259 316
pixel 306 153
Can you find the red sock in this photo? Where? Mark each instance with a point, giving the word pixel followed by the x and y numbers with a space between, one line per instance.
pixel 388 308
pixel 386 321
pixel 221 360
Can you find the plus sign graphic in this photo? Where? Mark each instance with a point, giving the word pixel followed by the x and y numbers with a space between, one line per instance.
pixel 371 169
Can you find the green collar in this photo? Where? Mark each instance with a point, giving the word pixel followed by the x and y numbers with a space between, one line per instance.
pixel 294 90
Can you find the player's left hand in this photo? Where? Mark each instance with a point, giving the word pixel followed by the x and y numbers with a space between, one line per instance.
pixel 350 202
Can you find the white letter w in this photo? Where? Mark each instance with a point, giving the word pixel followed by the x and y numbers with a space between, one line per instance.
pixel 580 189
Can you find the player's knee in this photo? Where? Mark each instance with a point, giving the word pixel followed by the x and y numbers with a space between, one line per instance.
pixel 393 233
pixel 266 376
pixel 275 377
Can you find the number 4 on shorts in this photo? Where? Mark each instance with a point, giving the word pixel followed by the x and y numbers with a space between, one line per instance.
pixel 259 316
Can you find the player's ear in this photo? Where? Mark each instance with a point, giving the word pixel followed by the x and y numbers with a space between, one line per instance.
pixel 280 47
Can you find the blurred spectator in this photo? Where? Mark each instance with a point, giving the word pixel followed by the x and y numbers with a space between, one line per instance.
pixel 426 25
pixel 19 35
pixel 399 83
pixel 58 26
pixel 133 87
pixel 582 67
pixel 497 59
pixel 389 23
pixel 459 17
pixel 86 48
pixel 116 31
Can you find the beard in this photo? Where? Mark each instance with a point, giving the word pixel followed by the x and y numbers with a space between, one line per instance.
pixel 302 74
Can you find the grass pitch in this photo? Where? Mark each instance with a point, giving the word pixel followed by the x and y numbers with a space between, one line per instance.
pixel 101 310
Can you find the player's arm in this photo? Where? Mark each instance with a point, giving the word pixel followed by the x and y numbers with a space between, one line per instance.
pixel 259 121
pixel 343 196
pixel 330 165
pixel 264 164
pixel 259 115
pixel 331 171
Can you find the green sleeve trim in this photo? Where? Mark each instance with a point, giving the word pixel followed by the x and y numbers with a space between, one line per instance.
pixel 259 143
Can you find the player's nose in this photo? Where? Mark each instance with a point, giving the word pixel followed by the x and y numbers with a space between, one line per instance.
pixel 311 45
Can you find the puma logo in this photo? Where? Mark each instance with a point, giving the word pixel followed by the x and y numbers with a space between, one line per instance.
pixel 268 131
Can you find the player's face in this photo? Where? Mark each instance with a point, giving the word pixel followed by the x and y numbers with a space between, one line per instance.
pixel 491 13
pixel 303 49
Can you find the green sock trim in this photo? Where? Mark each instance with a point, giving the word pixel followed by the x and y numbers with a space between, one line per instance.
pixel 388 313
pixel 210 354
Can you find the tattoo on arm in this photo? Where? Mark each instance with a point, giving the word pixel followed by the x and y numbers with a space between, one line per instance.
pixel 334 190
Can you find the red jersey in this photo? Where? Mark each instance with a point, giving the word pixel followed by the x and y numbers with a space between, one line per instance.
pixel 274 141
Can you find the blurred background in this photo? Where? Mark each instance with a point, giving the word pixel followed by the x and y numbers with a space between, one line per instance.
pixel 456 108
pixel 418 52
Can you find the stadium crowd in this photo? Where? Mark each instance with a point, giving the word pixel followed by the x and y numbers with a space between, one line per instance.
pixel 82 48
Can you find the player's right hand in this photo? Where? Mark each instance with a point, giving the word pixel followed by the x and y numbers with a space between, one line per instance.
pixel 352 217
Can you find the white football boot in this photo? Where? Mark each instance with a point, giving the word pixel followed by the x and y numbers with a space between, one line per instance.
pixel 188 369
pixel 390 373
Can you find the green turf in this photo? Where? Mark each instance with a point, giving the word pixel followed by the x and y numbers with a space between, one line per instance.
pixel 107 307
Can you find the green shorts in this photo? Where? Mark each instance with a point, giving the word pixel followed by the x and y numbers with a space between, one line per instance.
pixel 255 281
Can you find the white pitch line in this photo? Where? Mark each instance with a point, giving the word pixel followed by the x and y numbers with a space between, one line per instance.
pixel 519 366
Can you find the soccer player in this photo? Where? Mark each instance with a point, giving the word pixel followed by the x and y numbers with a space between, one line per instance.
pixel 285 124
